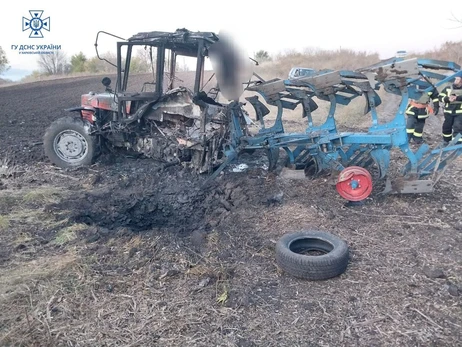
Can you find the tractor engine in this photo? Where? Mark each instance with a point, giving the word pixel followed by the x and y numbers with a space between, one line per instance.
pixel 177 128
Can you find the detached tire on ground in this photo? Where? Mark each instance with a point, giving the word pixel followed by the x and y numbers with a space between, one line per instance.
pixel 68 144
pixel 312 255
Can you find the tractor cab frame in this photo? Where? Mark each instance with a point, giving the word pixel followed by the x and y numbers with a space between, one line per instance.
pixel 168 47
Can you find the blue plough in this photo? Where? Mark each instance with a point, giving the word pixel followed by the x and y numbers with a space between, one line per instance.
pixel 357 157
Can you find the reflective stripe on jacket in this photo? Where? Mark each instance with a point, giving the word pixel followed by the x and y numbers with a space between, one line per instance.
pixel 455 107
pixel 419 110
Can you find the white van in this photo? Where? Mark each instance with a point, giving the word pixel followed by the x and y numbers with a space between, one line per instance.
pixel 300 71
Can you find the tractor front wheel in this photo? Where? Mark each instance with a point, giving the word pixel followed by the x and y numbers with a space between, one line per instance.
pixel 68 144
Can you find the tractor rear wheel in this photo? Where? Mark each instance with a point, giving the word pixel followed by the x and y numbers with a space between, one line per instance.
pixel 68 144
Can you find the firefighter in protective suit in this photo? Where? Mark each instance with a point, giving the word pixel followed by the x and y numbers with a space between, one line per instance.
pixel 417 112
pixel 451 96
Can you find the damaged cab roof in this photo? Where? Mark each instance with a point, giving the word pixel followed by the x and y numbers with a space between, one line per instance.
pixel 182 41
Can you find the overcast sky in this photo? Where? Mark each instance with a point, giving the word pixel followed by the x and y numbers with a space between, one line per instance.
pixel 275 26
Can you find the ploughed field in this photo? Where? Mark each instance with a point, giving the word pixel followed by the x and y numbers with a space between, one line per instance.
pixel 128 252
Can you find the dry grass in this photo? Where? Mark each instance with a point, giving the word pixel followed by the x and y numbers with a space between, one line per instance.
pixel 26 272
pixel 68 234
pixel 450 51
pixel 25 213
pixel 53 299
pixel 8 167
pixel 44 195
pixel 26 206
pixel 27 298
pixel 4 222
pixel 345 59
pixel 317 59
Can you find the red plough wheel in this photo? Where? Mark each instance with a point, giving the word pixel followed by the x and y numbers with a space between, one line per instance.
pixel 354 183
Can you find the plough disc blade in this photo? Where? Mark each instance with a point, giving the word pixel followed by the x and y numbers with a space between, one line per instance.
pixel 376 161
pixel 273 157
pixel 429 171
pixel 377 102
pixel 312 168
pixel 438 159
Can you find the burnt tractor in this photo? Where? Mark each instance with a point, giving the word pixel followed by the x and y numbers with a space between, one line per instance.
pixel 160 120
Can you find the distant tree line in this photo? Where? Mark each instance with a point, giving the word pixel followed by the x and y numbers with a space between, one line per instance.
pixel 3 61
pixel 58 63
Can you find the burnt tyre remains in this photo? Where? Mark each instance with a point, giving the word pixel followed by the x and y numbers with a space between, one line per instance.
pixel 312 255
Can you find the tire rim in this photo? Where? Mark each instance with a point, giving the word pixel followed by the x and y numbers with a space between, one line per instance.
pixel 310 246
pixel 354 183
pixel 70 146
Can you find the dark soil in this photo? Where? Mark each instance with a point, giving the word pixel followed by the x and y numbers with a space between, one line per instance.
pixel 129 253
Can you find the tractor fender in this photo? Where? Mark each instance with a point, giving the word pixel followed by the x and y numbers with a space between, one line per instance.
pixel 87 113
pixel 80 108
